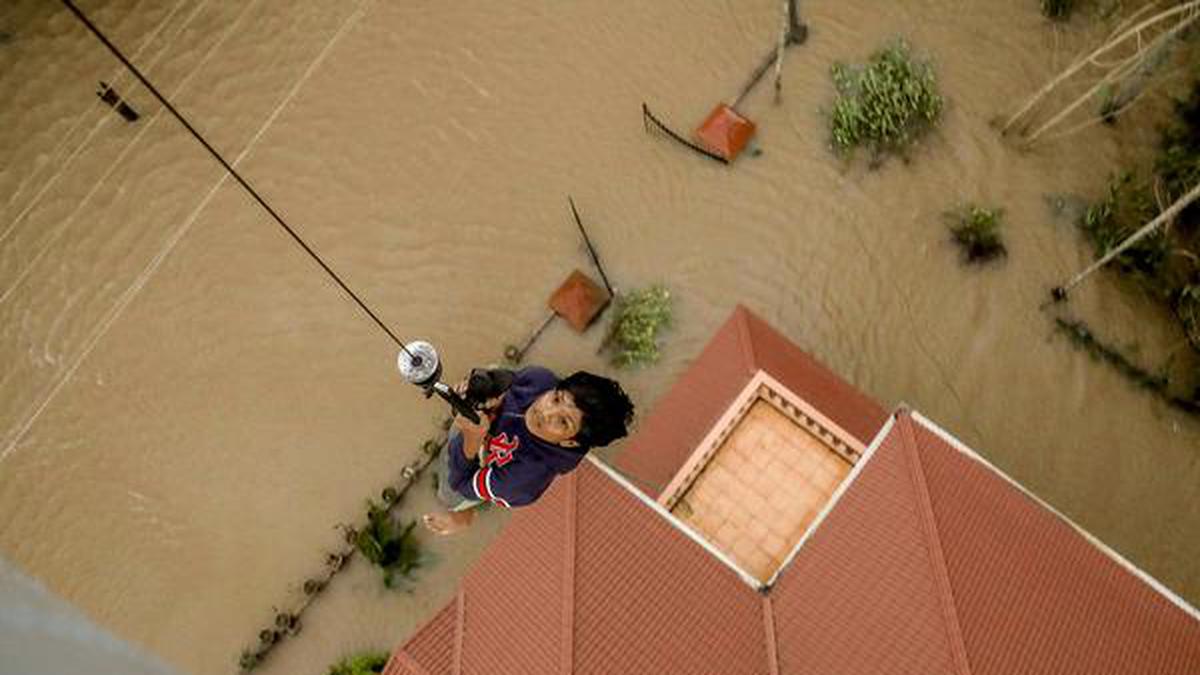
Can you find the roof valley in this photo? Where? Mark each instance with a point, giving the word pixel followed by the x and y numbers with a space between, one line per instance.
pixel 567 653
pixel 933 542
pixel 769 631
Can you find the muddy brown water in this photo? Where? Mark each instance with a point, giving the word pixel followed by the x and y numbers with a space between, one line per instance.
pixel 188 407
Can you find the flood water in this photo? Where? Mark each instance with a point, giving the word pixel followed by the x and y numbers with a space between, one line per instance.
pixel 188 406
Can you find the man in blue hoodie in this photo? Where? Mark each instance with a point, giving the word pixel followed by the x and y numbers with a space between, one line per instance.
pixel 539 429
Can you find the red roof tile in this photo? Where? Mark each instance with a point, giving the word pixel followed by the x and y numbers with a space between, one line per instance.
pixel 862 592
pixel 648 600
pixel 1022 576
pixel 928 562
pixel 516 595
pixel 431 650
pixel 742 346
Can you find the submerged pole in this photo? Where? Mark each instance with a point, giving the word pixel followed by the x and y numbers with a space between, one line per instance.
pixel 1060 292
pixel 591 249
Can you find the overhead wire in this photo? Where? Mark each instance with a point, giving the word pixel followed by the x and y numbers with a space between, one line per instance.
pixel 233 172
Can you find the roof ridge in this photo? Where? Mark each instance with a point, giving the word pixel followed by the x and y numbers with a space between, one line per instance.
pixel 1093 540
pixel 567 653
pixel 934 547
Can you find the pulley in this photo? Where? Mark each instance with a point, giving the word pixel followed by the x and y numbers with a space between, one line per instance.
pixel 419 364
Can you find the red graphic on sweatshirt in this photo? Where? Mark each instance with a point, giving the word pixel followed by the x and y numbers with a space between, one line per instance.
pixel 500 449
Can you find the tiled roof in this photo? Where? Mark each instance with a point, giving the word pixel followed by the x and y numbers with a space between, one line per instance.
pixel 591 580
pixel 742 347
pixel 927 560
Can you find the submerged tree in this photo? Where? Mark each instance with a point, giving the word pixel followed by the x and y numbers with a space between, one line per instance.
pixel 1122 68
pixel 977 230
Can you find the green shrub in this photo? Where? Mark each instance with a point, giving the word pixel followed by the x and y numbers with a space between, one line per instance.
pixel 1177 166
pixel 1128 205
pixel 1188 309
pixel 887 104
pixel 368 663
pixel 390 546
pixel 977 230
pixel 638 317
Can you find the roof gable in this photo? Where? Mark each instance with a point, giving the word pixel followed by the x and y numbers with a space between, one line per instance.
pixel 1024 576
pixel 926 559
pixel 650 600
pixel 863 593
pixel 743 346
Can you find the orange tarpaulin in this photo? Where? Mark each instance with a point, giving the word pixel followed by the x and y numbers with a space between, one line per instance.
pixel 725 132
pixel 579 300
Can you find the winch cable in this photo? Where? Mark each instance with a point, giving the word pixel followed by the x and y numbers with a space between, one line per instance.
pixel 232 171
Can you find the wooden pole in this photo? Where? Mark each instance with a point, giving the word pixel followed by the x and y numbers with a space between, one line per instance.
pixel 1060 292
pixel 1104 48
pixel 783 38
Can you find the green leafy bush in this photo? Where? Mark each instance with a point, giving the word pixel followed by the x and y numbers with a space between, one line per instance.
pixel 887 104
pixel 1167 261
pixel 368 663
pixel 392 547
pixel 638 317
pixel 977 230
pixel 1177 166
pixel 1128 205
pixel 1188 309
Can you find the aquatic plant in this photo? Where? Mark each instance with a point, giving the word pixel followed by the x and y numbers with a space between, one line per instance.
pixel 1059 10
pixel 390 546
pixel 977 230
pixel 1177 166
pixel 1187 308
pixel 249 660
pixel 1110 221
pixel 638 318
pixel 366 663
pixel 887 105
pixel 382 541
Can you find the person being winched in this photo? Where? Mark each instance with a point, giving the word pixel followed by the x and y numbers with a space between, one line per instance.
pixel 539 428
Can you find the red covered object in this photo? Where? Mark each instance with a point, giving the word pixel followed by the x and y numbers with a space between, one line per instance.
pixel 579 300
pixel 725 132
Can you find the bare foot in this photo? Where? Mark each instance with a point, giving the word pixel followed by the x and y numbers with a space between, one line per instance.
pixel 448 522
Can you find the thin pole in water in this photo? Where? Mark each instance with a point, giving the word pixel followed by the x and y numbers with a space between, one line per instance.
pixel 591 250
pixel 1060 292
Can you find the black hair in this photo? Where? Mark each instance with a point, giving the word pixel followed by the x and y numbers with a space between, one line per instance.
pixel 607 411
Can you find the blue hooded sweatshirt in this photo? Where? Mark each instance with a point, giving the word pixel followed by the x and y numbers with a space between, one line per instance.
pixel 515 467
